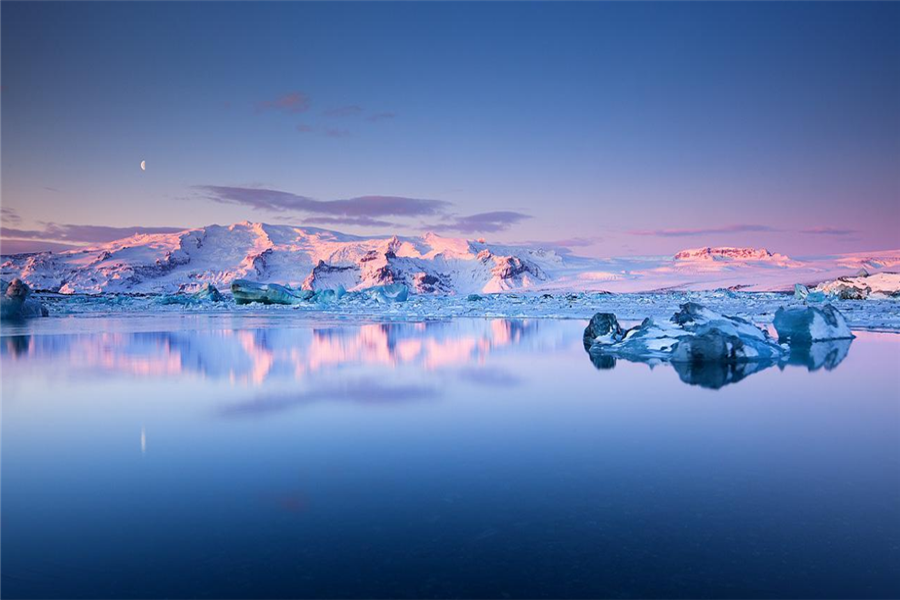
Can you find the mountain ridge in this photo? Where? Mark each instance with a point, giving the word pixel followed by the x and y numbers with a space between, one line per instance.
pixel 316 258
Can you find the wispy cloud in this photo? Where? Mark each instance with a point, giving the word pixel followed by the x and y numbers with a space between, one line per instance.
pixel 482 222
pixel 381 116
pixel 337 133
pixel 564 244
pixel 9 215
pixel 292 102
pixel 828 231
pixel 344 111
pixel 81 234
pixel 358 221
pixel 703 231
pixel 332 132
pixel 362 206
pixel 8 247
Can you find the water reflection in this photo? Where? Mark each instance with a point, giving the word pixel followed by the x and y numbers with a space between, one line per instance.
pixel 281 451
pixel 827 355
pixel 16 345
pixel 254 356
pixel 368 390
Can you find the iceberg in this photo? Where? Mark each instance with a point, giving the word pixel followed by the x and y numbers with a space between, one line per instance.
pixel 246 292
pixel 603 329
pixel 207 293
pixel 713 350
pixel 327 296
pixel 392 292
pixel 801 292
pixel 694 334
pixel 811 324
pixel 16 301
pixel 863 286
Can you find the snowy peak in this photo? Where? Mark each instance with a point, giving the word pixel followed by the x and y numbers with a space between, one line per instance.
pixel 319 258
pixel 727 253
pixel 311 257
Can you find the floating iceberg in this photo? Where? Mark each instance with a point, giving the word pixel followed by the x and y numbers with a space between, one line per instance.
pixel 207 293
pixel 16 301
pixel 861 287
pixel 712 350
pixel 811 324
pixel 694 334
pixel 801 292
pixel 327 296
pixel 603 329
pixel 392 292
pixel 246 292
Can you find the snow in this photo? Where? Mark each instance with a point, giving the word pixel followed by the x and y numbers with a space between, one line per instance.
pixel 885 284
pixel 316 259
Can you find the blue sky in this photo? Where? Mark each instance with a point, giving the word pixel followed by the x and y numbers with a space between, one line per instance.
pixel 612 128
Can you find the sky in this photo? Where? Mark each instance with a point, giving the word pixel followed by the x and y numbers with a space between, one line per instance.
pixel 605 129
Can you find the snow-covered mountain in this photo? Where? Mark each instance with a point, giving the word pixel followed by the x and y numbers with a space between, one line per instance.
pixel 317 258
pixel 308 257
pixel 732 255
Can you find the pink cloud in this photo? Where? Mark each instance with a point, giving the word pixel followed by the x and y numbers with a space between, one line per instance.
pixel 344 111
pixel 703 231
pixel 292 102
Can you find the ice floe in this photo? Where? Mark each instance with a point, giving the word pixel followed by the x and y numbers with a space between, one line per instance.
pixel 712 350
pixel 693 334
pixel 17 302
pixel 811 324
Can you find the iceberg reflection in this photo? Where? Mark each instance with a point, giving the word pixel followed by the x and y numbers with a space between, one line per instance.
pixel 715 375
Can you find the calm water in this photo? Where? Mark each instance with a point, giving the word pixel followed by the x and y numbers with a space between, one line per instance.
pixel 254 457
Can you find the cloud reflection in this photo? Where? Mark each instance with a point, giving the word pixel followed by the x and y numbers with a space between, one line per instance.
pixel 363 391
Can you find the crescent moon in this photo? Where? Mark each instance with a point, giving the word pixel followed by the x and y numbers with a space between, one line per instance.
pixel 143 165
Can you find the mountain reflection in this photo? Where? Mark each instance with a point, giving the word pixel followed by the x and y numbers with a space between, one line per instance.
pixel 256 355
pixel 715 375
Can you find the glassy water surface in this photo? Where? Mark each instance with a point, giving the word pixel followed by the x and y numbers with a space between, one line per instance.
pixel 258 457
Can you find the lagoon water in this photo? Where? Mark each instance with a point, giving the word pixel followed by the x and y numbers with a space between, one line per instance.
pixel 251 456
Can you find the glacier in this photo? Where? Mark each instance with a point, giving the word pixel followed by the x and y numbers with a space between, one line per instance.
pixel 317 273
pixel 313 259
